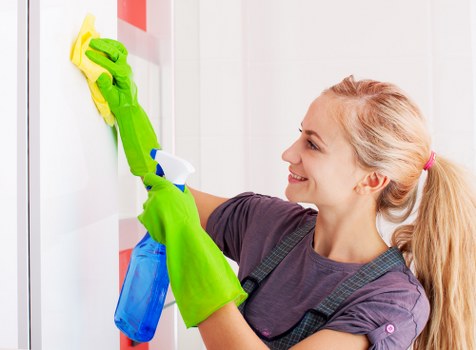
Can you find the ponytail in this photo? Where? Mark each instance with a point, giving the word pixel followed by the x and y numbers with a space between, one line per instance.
pixel 388 134
pixel 442 246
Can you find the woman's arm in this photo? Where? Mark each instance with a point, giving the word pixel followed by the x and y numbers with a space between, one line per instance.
pixel 206 204
pixel 227 329
pixel 328 339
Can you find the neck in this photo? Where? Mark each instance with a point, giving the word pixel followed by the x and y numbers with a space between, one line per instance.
pixel 350 236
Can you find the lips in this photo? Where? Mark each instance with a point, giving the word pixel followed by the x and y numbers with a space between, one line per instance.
pixel 293 177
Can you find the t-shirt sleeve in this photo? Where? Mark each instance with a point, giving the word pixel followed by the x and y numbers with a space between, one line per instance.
pixel 387 324
pixel 253 223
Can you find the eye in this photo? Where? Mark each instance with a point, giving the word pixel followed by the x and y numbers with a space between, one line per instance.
pixel 312 146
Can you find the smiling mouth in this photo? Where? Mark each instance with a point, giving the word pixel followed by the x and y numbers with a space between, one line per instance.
pixel 296 177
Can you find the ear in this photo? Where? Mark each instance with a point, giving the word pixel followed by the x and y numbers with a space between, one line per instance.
pixel 372 183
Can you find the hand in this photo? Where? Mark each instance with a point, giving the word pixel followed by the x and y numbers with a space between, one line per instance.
pixel 122 91
pixel 168 209
pixel 137 134
pixel 201 279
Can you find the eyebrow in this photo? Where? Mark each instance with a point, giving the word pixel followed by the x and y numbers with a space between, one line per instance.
pixel 313 133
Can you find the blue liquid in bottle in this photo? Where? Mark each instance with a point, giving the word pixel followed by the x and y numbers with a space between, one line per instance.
pixel 143 292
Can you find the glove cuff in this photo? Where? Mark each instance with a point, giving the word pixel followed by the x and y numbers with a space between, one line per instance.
pixel 192 317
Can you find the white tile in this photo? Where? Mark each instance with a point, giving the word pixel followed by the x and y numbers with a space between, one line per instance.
pixel 284 30
pixel 266 172
pixel 189 148
pixel 453 121
pixel 187 97
pixel 186 29
pixel 278 94
pixel 220 29
pixel 222 165
pixel 221 97
pixel 451 25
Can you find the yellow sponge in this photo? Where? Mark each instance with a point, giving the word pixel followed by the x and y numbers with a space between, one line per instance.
pixel 90 69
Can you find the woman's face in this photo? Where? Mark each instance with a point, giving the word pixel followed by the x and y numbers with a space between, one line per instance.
pixel 323 168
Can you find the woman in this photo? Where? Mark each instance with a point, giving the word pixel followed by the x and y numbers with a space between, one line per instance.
pixel 361 152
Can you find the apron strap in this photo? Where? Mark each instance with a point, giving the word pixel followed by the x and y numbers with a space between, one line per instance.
pixel 317 317
pixel 366 274
pixel 254 279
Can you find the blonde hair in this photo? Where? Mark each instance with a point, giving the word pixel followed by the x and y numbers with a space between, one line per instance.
pixel 388 134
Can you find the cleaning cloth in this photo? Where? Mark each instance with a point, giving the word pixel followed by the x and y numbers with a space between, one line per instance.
pixel 90 69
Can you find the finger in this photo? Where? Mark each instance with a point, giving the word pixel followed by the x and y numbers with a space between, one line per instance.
pixel 123 79
pixel 104 84
pixel 101 60
pixel 117 44
pixel 104 45
pixel 154 181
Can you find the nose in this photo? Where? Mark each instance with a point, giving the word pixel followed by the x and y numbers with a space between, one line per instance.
pixel 292 154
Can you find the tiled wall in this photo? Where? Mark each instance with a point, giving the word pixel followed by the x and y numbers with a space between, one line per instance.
pixel 246 72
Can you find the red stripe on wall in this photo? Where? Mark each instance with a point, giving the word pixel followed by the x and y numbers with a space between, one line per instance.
pixel 133 12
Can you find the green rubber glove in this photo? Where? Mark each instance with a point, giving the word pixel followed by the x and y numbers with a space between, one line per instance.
pixel 137 134
pixel 201 279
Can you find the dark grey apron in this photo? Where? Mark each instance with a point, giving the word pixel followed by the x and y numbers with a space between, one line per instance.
pixel 316 317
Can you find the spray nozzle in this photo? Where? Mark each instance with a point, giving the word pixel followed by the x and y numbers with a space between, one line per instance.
pixel 173 168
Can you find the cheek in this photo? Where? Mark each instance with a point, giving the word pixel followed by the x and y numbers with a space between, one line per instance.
pixel 319 170
pixel 329 176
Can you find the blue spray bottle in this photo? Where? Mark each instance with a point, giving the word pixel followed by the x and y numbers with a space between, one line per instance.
pixel 146 282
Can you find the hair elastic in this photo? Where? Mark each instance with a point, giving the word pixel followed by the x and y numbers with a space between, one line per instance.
pixel 431 161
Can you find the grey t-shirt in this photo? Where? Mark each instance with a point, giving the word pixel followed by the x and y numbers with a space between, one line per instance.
pixel 391 310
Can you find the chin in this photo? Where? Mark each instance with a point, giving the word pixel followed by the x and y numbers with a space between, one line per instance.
pixel 292 196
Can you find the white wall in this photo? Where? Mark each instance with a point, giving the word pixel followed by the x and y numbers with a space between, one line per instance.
pixel 8 177
pixel 73 187
pixel 246 72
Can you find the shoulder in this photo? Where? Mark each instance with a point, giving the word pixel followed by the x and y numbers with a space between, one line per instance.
pixel 252 208
pixel 392 311
pixel 249 225
pixel 262 201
